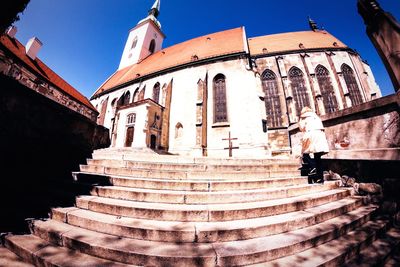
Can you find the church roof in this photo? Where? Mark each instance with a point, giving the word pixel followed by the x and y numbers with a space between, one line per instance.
pixel 42 70
pixel 293 41
pixel 205 47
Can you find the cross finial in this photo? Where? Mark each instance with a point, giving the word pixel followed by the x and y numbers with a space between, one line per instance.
pixel 155 9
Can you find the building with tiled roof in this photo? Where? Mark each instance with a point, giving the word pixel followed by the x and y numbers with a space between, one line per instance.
pixel 189 97
pixel 21 63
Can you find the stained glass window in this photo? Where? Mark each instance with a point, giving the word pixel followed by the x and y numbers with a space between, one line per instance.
pixel 352 86
pixel 326 88
pixel 220 114
pixel 299 89
pixel 272 101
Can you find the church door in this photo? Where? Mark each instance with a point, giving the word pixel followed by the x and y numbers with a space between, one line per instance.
pixel 153 141
pixel 129 136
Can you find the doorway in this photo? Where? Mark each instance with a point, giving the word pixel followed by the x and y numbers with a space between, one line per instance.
pixel 153 141
pixel 129 136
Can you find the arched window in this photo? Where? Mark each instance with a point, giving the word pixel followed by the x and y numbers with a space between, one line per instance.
pixel 220 113
pixel 120 101
pixel 134 43
pixel 114 103
pixel 178 130
pixel 326 88
pixel 141 94
pixel 152 46
pixel 164 94
pixel 352 86
pixel 156 92
pixel 127 98
pixel 272 101
pixel 299 89
pixel 135 95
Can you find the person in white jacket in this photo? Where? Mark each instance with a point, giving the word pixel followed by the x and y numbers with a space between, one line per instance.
pixel 313 142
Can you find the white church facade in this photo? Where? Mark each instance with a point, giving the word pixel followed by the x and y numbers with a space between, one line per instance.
pixel 189 98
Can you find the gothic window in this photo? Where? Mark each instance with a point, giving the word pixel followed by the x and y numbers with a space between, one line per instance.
pixel 131 119
pixel 127 98
pixel 326 88
pixel 156 92
pixel 164 94
pixel 152 46
pixel 178 130
pixel 141 94
pixel 135 95
pixel 272 101
pixel 220 111
pixel 120 101
pixel 134 43
pixel 299 89
pixel 113 103
pixel 352 86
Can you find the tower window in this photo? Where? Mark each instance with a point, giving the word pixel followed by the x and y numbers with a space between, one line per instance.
pixel 152 46
pixel 299 89
pixel 271 99
pixel 220 114
pixel 134 43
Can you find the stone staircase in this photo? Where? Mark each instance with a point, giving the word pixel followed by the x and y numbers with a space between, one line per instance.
pixel 146 209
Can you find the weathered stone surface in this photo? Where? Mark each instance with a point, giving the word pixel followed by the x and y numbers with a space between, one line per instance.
pixel 369 188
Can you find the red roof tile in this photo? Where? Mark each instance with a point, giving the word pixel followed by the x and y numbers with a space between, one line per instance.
pixel 291 41
pixel 39 68
pixel 208 46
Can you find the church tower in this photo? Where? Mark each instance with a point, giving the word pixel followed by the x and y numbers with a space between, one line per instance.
pixel 144 39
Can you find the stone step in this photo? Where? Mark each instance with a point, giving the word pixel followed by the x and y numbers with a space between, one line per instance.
pixel 282 166
pixel 131 154
pixel 334 252
pixel 8 258
pixel 210 212
pixel 203 232
pixel 189 185
pixel 42 253
pixel 169 174
pixel 234 253
pixel 190 197
pixel 379 251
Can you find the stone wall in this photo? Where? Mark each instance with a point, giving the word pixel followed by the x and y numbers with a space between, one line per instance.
pixel 41 143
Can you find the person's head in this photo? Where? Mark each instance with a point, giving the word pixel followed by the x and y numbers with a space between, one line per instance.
pixel 304 111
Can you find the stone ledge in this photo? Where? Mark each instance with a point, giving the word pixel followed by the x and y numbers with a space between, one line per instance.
pixel 365 154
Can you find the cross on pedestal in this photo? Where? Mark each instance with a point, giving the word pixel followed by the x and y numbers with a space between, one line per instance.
pixel 231 147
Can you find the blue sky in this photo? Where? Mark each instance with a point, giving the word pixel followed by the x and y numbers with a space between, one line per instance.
pixel 83 39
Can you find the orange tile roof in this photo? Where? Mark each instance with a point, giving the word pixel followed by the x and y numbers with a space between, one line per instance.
pixel 284 42
pixel 40 69
pixel 208 46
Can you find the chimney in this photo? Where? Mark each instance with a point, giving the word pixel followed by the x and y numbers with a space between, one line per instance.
pixel 32 47
pixel 11 31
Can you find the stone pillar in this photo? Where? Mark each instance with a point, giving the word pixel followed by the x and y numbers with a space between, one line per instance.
pixel 384 32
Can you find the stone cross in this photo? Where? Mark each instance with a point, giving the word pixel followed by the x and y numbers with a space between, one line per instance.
pixel 231 147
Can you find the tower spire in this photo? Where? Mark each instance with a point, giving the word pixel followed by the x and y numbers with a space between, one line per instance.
pixel 155 9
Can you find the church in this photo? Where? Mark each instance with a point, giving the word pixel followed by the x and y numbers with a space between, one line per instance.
pixel 224 89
